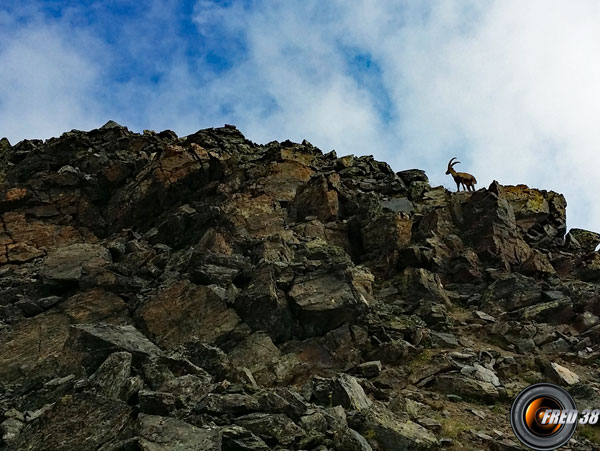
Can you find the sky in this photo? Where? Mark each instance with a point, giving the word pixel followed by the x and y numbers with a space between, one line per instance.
pixel 511 88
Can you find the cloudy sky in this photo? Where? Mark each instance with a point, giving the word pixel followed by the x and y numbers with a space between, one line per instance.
pixel 510 87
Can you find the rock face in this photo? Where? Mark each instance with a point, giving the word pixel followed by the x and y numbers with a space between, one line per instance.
pixel 210 293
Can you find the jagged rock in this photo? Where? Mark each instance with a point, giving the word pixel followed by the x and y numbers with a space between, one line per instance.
pixel 258 354
pixel 394 352
pixel 110 379
pixel 80 422
pixel 92 343
pixel 588 267
pixel 228 403
pixel 156 433
pixel 390 432
pixel 211 358
pixel 259 216
pixel 156 402
pixel 484 316
pixel 11 427
pixel 4 144
pixel 399 205
pixel 467 387
pixel 409 176
pixel 551 312
pixel 514 291
pixel 444 340
pixel 560 374
pixel 31 308
pixel 584 239
pixel 529 205
pixel 67 264
pixel 184 311
pixel 350 440
pixel 386 233
pixel 283 400
pixel 342 391
pixel 33 346
pixel 537 263
pixel 236 438
pixel 479 372
pixel 417 283
pixel 316 198
pixel 188 389
pixel 95 306
pixel 324 301
pixel 273 429
pixel 586 321
pixel 490 226
pixel 369 369
pixel 264 306
pixel 431 424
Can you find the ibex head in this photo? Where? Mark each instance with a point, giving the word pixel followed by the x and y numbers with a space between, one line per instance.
pixel 451 165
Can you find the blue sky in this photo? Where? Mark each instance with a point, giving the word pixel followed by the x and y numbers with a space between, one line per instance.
pixel 510 87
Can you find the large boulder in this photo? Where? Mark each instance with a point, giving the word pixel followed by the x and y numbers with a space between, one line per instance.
pixel 263 306
pixel 318 198
pixel 489 226
pixel 343 390
pixel 32 347
pixel 90 344
pixel 386 430
pixel 184 311
pixel 68 264
pixel 387 233
pixel 157 433
pixel 79 422
pixel 324 301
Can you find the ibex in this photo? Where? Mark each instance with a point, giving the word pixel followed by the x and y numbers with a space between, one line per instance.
pixel 467 180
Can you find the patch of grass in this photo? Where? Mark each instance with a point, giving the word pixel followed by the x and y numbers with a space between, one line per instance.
pixel 497 341
pixel 592 433
pixel 499 408
pixel 532 377
pixel 421 358
pixel 370 434
pixel 453 428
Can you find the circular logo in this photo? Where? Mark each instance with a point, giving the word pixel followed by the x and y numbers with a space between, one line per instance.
pixel 539 415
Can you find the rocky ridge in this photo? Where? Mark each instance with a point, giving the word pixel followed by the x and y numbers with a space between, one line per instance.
pixel 209 293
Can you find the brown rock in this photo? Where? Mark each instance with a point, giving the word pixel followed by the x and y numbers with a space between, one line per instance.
pixel 491 228
pixel 80 422
pixel 33 343
pixel 315 198
pixel 466 387
pixel 184 311
pixel 263 306
pixel 156 433
pixel 67 264
pixel 90 344
pixel 325 301
pixel 95 306
pixel 561 375
pixel 388 232
pixel 530 205
pixel 283 179
pixel 254 216
pixel 585 239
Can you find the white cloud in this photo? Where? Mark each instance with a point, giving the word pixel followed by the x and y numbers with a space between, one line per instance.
pixel 47 84
pixel 510 87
